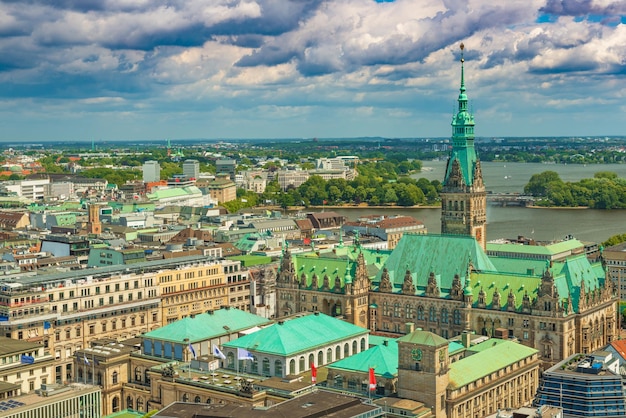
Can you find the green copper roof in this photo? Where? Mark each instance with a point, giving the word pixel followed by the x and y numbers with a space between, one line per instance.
pixel 383 358
pixel 571 274
pixel 206 326
pixel 504 284
pixel 297 335
pixel 463 137
pixel 540 250
pixel 486 360
pixel 377 339
pixel 423 338
pixel 338 263
pixel 423 254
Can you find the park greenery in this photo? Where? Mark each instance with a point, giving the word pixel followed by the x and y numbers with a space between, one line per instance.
pixel 604 191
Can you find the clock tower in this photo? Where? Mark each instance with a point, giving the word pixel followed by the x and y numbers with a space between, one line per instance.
pixel 463 196
pixel 423 364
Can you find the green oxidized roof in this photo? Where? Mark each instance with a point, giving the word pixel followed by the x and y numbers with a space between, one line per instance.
pixel 383 358
pixel 495 355
pixel 444 255
pixel 568 276
pixel 463 137
pixel 504 283
pixel 206 326
pixel 540 250
pixel 423 338
pixel 377 339
pixel 338 263
pixel 297 335
pixel 173 192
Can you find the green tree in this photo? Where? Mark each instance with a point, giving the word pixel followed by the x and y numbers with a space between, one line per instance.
pixel 539 184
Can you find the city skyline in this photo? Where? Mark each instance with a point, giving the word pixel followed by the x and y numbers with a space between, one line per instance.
pixel 133 69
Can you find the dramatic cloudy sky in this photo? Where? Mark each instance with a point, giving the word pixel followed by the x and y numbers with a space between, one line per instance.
pixel 150 69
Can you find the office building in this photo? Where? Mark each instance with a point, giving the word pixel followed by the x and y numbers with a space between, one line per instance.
pixel 191 169
pixel 151 171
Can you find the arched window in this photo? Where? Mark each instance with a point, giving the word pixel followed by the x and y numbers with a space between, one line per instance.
pixel 197 399
pixel 140 405
pixel 432 314
pixel 320 358
pixel 396 310
pixel 312 360
pixel 99 380
pixel 115 404
pixel 444 316
pixel 346 350
pixel 185 397
pixel 337 353
pixel 146 377
pixel 301 365
pixel 420 313
pixel 329 355
pixel 292 366
pixel 129 402
pixel 266 366
pixel 456 317
pixel 114 378
pixel 363 344
pixel 408 311
pixel 278 368
pixel 354 346
pixel 80 372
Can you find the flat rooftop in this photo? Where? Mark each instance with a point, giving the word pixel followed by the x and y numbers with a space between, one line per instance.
pixel 318 403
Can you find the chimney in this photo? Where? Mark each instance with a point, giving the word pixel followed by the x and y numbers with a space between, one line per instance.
pixel 281 322
pixel 386 343
pixel 409 327
pixel 466 339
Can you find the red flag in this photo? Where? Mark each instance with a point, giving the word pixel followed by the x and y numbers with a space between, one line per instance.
pixel 372 379
pixel 313 373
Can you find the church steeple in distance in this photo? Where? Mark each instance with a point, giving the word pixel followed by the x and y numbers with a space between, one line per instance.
pixel 463 197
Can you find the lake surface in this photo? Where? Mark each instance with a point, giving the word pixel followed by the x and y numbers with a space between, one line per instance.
pixel 509 222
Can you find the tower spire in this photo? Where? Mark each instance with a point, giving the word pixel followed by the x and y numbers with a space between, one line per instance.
pixel 462 69
pixel 463 197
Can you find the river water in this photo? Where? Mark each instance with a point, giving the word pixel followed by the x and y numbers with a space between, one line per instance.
pixel 509 222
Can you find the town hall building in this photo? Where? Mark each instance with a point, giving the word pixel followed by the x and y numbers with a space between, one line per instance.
pixel 447 284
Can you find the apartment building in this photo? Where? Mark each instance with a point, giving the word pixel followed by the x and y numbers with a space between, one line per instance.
pixel 65 311
pixel 24 367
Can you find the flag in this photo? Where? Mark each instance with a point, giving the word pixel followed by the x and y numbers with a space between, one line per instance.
pixel 244 354
pixel 85 359
pixel 313 373
pixel 193 352
pixel 218 353
pixel 372 379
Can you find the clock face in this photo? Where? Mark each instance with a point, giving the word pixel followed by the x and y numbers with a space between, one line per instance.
pixel 416 353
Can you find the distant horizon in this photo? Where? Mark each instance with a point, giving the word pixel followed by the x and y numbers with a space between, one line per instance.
pixel 173 141
pixel 249 69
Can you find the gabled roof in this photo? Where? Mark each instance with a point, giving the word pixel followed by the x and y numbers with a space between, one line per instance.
pixel 206 326
pixel 297 335
pixel 423 338
pixel 444 255
pixel 490 356
pixel 382 358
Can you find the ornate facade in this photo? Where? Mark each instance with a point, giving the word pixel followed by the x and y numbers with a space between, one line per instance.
pixel 463 197
pixel 447 284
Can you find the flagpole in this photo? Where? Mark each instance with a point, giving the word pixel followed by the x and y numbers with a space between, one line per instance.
pixel 93 367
